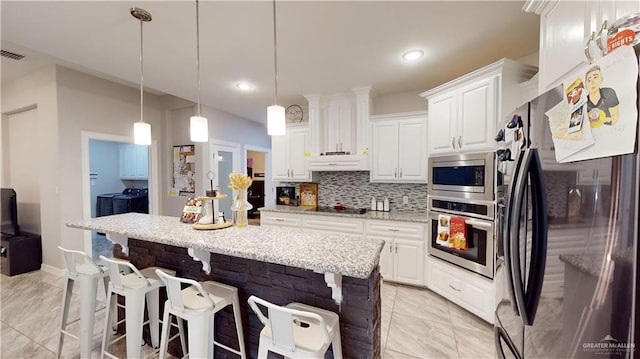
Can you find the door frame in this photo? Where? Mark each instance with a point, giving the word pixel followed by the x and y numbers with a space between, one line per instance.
pixel 269 188
pixel 153 184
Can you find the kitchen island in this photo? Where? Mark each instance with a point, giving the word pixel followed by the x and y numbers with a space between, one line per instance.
pixel 332 271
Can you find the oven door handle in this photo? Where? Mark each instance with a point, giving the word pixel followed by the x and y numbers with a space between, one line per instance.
pixel 479 224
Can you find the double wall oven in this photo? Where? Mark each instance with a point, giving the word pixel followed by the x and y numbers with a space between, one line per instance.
pixel 462 189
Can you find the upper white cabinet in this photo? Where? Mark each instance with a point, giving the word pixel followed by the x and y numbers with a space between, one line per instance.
pixel 339 124
pixel 399 148
pixel 134 161
pixel 565 27
pixel 464 113
pixel 289 152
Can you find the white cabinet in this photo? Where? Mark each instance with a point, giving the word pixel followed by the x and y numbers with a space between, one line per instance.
pixel 340 127
pixel 565 27
pixel 402 258
pixel 595 172
pixel 399 148
pixel 464 113
pixel 133 161
pixel 279 219
pixel 470 291
pixel 289 162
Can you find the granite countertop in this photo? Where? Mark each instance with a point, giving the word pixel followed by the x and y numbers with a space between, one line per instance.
pixel 587 263
pixel 349 255
pixel 390 216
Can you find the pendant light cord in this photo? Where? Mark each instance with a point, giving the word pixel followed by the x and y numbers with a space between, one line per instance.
pixel 198 52
pixel 141 73
pixel 275 55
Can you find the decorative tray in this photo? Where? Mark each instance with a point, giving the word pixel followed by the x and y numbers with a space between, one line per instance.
pixel 213 225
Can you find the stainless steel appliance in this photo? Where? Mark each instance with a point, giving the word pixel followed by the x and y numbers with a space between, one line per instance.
pixel 570 287
pixel 468 176
pixel 479 219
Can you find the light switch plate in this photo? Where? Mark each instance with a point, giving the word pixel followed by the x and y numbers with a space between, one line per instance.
pixel 405 199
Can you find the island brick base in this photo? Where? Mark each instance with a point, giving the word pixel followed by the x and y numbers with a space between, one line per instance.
pixel 359 313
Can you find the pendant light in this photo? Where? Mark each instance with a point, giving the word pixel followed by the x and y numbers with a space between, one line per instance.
pixel 198 125
pixel 275 114
pixel 141 129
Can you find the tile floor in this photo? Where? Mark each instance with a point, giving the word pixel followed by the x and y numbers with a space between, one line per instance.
pixel 416 323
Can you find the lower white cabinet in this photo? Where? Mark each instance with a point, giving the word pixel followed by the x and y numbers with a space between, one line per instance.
pixel 470 291
pixel 279 219
pixel 402 258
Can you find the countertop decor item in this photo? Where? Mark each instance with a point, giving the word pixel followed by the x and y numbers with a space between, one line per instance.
pixel 240 205
pixel 285 195
pixel 309 194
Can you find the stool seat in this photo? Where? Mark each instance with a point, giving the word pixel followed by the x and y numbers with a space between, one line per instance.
pixel 197 304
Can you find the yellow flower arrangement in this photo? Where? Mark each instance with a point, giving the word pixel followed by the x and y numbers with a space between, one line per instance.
pixel 239 181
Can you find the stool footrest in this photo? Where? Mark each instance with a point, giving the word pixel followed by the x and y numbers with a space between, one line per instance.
pixel 237 352
pixel 69 334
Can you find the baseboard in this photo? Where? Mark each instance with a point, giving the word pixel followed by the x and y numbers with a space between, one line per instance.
pixel 53 270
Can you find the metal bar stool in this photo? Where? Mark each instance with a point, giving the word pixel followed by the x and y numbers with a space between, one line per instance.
pixel 198 304
pixel 297 330
pixel 81 268
pixel 135 286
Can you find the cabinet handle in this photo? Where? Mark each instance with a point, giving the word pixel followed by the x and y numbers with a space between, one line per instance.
pixel 280 219
pixel 454 288
pixel 401 173
pixel 453 142
pixel 332 164
pixel 396 248
pixel 393 229
pixel 391 248
pixel 395 173
pixel 459 141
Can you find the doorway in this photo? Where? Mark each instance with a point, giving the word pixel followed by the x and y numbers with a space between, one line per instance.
pixel 111 185
pixel 258 160
pixel 225 158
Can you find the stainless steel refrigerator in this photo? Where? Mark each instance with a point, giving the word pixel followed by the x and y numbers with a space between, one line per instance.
pixel 568 282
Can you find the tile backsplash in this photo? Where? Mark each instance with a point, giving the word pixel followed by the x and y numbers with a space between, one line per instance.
pixel 353 189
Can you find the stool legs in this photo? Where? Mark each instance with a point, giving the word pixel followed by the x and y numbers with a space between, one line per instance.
pixel 336 343
pixel 88 292
pixel 66 301
pixel 200 334
pixel 134 315
pixel 238 319
pixel 153 308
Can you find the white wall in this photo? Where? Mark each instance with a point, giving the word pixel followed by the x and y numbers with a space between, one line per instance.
pixel 38 90
pixel 398 102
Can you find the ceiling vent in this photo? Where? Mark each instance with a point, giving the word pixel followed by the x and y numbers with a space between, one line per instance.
pixel 11 55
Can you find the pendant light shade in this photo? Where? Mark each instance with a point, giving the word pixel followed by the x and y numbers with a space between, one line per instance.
pixel 141 129
pixel 142 133
pixel 199 129
pixel 198 125
pixel 276 125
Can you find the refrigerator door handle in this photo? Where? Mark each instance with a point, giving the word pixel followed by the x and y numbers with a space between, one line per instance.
pixel 539 239
pixel 506 239
pixel 518 201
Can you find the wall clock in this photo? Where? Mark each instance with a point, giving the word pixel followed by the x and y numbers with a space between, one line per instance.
pixel 294 114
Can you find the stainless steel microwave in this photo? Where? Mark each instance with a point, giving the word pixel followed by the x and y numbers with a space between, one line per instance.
pixel 468 176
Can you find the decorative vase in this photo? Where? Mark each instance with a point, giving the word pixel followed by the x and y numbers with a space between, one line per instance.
pixel 240 208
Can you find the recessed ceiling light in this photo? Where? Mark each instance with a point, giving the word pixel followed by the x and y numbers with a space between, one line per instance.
pixel 412 55
pixel 244 86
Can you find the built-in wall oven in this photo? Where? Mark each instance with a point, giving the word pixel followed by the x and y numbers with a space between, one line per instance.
pixel 477 254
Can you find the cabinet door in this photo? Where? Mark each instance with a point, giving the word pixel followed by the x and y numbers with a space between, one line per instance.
pixel 141 162
pixel 279 157
pixel 297 154
pixel 477 115
pixel 384 151
pixel 442 126
pixel 340 127
pixel 564 30
pixel 409 261
pixel 412 150
pixel 386 258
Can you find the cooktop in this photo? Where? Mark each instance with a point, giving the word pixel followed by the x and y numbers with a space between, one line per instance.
pixel 348 210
